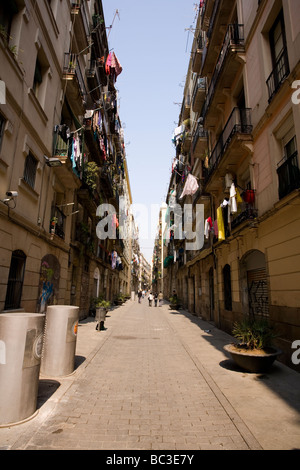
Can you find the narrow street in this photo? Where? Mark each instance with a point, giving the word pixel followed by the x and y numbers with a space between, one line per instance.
pixel 157 379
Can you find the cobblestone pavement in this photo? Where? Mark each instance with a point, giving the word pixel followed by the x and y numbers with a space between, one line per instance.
pixel 156 379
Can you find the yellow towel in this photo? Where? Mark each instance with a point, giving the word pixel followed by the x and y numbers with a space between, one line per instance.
pixel 220 221
pixel 238 196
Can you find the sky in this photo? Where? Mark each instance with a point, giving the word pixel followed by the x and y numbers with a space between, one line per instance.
pixel 152 41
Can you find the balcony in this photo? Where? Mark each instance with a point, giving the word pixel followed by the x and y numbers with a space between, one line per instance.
pixel 278 75
pixel 225 71
pixel 93 80
pixel 197 54
pixel 288 175
pixel 206 14
pixel 199 94
pixel 57 223
pixel 64 172
pixel 186 108
pixel 247 210
pixel 92 138
pixel 81 24
pixel 76 89
pixel 200 142
pixel 186 141
pixel 231 147
pixel 217 14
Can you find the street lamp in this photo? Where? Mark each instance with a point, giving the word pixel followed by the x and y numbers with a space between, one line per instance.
pixel 52 161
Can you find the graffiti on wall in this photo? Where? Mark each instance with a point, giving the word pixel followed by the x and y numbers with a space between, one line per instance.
pixel 49 282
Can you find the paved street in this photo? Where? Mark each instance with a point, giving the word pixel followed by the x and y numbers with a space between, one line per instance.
pixel 156 379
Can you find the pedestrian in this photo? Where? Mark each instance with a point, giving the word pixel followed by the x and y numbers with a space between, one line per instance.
pixel 160 298
pixel 140 296
pixel 174 294
pixel 150 298
pixel 155 299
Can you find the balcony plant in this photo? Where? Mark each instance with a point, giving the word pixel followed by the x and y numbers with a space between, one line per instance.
pixel 255 350
pixel 91 174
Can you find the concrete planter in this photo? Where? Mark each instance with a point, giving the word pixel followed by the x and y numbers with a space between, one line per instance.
pixel 253 361
pixel 101 313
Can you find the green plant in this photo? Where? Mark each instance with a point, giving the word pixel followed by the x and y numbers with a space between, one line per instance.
pixel 254 333
pixel 174 300
pixel 91 172
pixel 101 303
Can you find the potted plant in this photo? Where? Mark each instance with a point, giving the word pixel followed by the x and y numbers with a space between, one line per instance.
pixel 119 299
pixel 255 351
pixel 174 303
pixel 102 307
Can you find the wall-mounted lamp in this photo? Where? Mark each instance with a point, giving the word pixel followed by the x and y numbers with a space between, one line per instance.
pixel 52 161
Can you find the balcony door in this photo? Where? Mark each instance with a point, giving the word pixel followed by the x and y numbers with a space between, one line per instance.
pixel 280 63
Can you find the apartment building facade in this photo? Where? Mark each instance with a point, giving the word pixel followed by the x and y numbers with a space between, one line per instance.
pixel 62 155
pixel 237 135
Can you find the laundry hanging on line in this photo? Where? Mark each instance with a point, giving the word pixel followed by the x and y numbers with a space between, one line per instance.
pixel 191 186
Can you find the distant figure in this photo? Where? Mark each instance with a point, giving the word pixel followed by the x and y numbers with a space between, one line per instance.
pixel 140 296
pixel 160 298
pixel 174 294
pixel 155 299
pixel 150 298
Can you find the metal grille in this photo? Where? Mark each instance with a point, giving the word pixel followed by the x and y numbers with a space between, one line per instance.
pixel 30 170
pixel 258 292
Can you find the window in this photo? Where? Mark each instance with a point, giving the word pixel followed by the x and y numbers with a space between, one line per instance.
pixel 30 170
pixel 7 12
pixel 15 280
pixel 40 78
pixel 37 77
pixel 288 169
pixel 279 56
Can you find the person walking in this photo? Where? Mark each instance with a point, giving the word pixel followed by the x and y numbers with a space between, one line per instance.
pixel 150 298
pixel 155 299
pixel 160 298
pixel 140 296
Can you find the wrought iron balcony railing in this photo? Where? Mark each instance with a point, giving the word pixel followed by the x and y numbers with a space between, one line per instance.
pixel 288 175
pixel 72 69
pixel 279 74
pixel 239 122
pixel 234 37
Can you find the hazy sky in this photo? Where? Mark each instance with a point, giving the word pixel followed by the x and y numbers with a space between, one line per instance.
pixel 152 41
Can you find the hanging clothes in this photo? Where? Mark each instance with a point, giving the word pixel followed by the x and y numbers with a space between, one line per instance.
pixel 115 65
pixel 191 186
pixel 221 228
pixel 216 230
pixel 108 64
pixel 233 199
pixel 239 199
pixel 114 256
pixel 206 230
